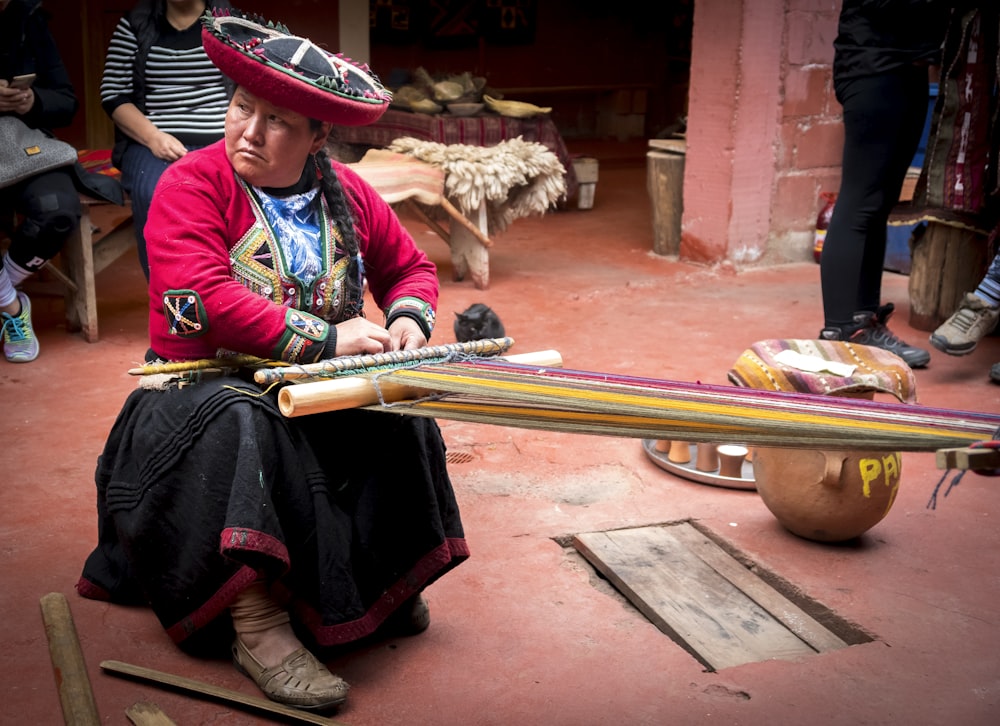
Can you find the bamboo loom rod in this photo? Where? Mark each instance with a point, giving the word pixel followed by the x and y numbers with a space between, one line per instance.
pixel 337 394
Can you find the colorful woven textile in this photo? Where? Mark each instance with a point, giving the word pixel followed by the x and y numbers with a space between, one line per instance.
pixel 765 367
pixel 98 161
pixel 398 176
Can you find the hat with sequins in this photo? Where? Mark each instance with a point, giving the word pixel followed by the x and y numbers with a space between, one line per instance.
pixel 292 72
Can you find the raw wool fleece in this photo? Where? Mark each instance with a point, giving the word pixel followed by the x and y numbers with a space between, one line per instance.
pixel 516 178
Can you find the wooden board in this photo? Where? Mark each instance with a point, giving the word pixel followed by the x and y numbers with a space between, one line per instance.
pixel 703 598
pixel 947 263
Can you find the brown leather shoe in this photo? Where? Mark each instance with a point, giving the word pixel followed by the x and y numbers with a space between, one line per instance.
pixel 412 618
pixel 300 680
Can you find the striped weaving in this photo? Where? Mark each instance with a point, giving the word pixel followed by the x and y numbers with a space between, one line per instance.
pixel 397 177
pixel 596 403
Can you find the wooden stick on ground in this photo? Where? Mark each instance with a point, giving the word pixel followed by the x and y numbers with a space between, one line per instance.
pixel 148 714
pixel 78 706
pixel 215 692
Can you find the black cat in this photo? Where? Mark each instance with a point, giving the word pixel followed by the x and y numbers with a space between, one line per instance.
pixel 478 321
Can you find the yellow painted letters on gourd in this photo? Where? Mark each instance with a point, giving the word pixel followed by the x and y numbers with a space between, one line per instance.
pixel 887 468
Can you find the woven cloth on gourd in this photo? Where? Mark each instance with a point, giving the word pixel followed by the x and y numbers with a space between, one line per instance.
pixel 874 369
pixel 515 178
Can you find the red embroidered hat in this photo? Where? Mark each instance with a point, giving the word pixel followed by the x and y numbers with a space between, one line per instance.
pixel 292 72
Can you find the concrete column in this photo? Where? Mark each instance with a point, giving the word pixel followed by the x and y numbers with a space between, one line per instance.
pixel 762 133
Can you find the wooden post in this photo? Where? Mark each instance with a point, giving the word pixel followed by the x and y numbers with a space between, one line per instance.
pixel 68 665
pixel 665 182
pixel 469 256
pixel 948 262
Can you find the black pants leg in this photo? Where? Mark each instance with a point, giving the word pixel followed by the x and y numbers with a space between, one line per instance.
pixel 50 207
pixel 884 116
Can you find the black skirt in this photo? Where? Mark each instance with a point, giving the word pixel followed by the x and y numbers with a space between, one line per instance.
pixel 199 490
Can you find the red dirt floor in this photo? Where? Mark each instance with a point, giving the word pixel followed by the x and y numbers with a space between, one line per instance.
pixel 526 631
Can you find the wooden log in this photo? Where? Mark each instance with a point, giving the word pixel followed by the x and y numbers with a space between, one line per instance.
pixel 469 254
pixel 948 262
pixel 68 665
pixel 338 394
pixel 665 184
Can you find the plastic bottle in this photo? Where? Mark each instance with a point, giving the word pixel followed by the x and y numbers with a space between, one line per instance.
pixel 829 199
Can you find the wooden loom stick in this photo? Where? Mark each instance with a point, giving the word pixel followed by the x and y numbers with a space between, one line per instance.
pixel 976 459
pixel 215 692
pixel 234 361
pixel 357 363
pixel 68 665
pixel 337 394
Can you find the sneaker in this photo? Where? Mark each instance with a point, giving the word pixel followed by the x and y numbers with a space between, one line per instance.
pixel 19 342
pixel 870 329
pixel 959 334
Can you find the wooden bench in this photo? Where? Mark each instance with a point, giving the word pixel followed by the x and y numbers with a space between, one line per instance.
pixel 87 252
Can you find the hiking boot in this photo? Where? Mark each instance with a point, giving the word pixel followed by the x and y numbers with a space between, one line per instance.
pixel 870 329
pixel 959 334
pixel 19 342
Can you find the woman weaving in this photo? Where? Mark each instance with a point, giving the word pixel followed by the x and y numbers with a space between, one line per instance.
pixel 215 509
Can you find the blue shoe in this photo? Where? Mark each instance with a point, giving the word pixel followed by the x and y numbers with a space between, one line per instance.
pixel 19 342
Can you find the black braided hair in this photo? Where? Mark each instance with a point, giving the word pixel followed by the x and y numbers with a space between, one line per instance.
pixel 340 210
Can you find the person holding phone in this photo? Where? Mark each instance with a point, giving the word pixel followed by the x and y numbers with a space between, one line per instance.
pixel 38 214
pixel 164 95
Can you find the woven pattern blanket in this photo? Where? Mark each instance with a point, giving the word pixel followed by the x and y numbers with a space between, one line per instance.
pixel 397 177
pixel 823 367
pixel 515 178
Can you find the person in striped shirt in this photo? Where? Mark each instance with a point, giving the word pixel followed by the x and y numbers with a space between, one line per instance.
pixel 163 93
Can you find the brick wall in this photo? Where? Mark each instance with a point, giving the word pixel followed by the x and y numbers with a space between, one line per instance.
pixel 764 132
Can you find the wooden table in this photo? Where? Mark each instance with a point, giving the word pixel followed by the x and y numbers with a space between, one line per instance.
pixel 484 129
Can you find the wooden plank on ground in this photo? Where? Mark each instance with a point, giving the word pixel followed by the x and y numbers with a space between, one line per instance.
pixel 787 613
pixel 687 598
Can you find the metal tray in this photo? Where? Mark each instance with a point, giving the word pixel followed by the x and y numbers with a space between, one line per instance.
pixel 688 471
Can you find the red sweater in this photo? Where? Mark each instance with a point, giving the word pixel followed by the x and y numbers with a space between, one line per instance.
pixel 218 282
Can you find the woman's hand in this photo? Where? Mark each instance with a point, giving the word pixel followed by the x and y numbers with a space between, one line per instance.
pixel 165 146
pixel 15 100
pixel 359 336
pixel 406 334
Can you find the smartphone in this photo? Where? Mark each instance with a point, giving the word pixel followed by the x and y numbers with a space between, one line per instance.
pixel 24 81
